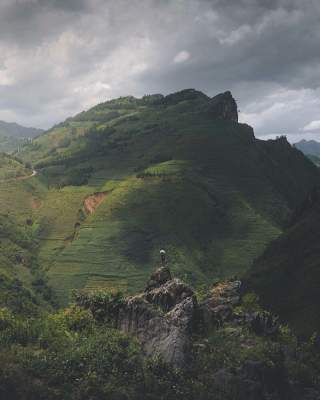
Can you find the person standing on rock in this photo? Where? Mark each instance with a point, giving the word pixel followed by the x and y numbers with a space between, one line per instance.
pixel 163 257
pixel 161 275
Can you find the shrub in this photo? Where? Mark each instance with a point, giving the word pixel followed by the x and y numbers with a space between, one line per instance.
pixel 250 303
pixel 103 304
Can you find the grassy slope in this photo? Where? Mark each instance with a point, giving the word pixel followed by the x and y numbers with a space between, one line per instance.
pixel 175 177
pixel 11 168
pixel 287 275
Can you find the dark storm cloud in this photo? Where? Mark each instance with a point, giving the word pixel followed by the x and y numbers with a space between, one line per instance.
pixel 60 56
pixel 29 22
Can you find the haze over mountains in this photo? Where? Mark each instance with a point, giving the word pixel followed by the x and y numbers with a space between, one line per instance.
pixel 12 129
pixel 311 148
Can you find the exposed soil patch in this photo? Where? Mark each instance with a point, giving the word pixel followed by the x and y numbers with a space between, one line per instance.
pixel 92 202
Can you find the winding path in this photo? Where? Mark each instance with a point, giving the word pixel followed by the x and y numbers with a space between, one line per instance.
pixel 20 178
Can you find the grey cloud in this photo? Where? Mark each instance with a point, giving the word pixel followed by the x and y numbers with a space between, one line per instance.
pixel 30 22
pixel 60 56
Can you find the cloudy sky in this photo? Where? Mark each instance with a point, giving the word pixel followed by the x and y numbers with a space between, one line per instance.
pixel 58 57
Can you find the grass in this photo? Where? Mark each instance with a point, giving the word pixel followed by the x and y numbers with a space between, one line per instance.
pixel 11 168
pixel 57 217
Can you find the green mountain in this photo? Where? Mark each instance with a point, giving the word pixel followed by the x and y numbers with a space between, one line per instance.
pixel 129 176
pixel 287 275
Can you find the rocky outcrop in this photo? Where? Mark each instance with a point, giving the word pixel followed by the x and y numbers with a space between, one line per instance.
pixel 224 106
pixel 168 321
pixel 162 317
pixel 219 305
pixel 158 278
pixel 165 315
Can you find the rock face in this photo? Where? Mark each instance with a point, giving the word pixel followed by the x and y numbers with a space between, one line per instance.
pixel 162 318
pixel 165 315
pixel 158 278
pixel 224 106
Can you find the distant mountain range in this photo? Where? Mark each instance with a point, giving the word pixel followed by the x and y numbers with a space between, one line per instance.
pixel 11 129
pixel 309 147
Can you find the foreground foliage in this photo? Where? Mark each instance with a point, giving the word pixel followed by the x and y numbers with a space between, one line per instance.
pixel 74 354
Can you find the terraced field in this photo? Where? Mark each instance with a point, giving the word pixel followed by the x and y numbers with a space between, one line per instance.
pixel 117 245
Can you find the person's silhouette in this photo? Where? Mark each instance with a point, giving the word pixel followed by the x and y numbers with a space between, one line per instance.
pixel 163 257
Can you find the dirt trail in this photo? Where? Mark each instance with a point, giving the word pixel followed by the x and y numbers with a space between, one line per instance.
pixel 20 178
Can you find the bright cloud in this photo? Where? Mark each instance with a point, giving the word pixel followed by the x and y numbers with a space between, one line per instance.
pixel 181 57
pixel 312 126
